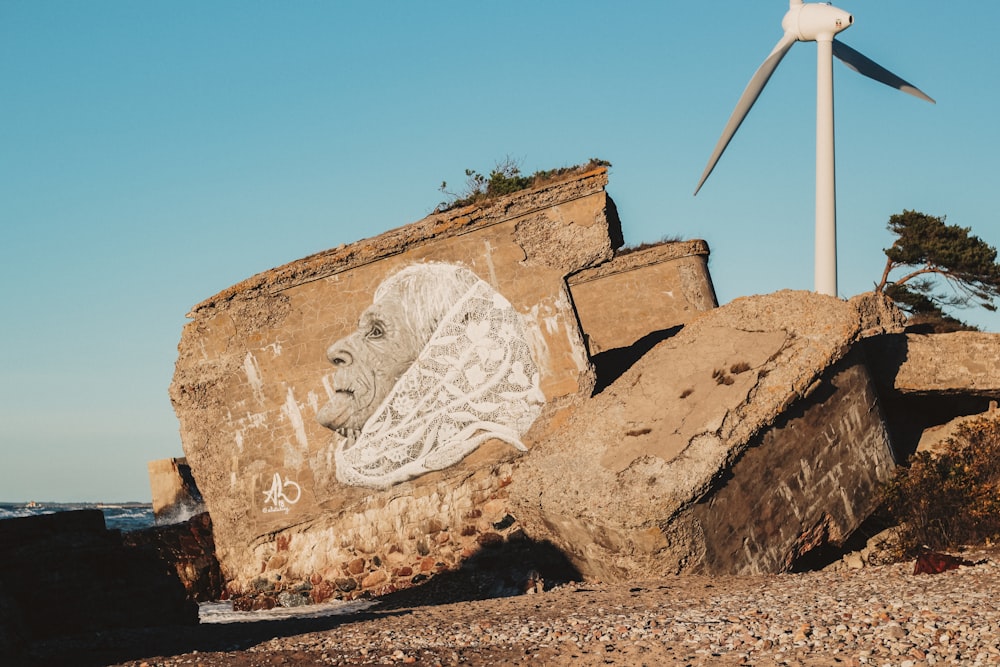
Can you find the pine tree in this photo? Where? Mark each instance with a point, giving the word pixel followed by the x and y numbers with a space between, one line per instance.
pixel 935 251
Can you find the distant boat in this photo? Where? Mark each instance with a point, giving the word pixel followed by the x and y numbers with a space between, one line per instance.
pixel 32 504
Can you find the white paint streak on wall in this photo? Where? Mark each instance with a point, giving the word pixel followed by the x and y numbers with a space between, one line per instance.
pixel 253 376
pixel 313 401
pixel 242 425
pixel 848 507
pixel 566 313
pixel 291 410
pixel 233 479
pixel 327 387
pixel 292 455
pixel 536 339
pixel 275 348
pixel 489 263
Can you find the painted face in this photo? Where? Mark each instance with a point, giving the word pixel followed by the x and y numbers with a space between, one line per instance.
pixel 368 362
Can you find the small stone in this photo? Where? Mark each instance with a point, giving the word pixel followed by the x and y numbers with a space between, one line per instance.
pixel 290 599
pixel 356 566
pixel 277 561
pixel 374 579
pixel 895 631
pixel 490 540
pixel 494 509
pixel 422 548
pixel 854 561
pixel 347 584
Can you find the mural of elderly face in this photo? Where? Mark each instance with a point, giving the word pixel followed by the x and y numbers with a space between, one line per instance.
pixel 391 333
pixel 439 363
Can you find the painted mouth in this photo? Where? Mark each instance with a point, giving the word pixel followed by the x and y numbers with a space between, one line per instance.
pixel 349 434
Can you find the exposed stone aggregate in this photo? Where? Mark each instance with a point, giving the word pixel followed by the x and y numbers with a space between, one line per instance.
pixel 873 616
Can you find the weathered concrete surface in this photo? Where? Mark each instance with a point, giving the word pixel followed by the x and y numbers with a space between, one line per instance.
pixel 649 290
pixel 613 481
pixel 808 481
pixel 963 362
pixel 174 492
pixel 616 487
pixel 927 380
pixel 879 314
pixel 252 375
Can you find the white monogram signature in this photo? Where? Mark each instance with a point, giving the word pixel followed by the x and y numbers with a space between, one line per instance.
pixel 281 495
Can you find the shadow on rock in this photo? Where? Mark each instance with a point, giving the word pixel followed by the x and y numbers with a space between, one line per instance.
pixel 509 568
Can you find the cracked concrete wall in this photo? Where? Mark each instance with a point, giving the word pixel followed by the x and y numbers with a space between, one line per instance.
pixel 963 362
pixel 666 285
pixel 615 488
pixel 610 480
pixel 252 374
pixel 809 480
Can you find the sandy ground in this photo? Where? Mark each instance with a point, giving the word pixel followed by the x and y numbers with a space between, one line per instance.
pixel 882 615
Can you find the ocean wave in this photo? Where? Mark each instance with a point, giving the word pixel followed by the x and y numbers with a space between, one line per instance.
pixel 17 512
pixel 222 612
pixel 120 516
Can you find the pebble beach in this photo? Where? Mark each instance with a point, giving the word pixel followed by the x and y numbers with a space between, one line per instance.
pixel 883 615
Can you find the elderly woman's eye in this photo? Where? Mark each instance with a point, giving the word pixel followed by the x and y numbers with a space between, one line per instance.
pixel 376 331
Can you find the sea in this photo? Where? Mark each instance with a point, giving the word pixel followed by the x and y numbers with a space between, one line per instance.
pixel 121 516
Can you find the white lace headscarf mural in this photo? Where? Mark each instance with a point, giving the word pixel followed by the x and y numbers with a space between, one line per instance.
pixel 473 380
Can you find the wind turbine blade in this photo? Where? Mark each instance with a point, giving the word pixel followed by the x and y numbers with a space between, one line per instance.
pixel 747 99
pixel 871 69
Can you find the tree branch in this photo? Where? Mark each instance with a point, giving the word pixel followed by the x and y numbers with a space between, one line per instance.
pixel 889 266
pixel 919 272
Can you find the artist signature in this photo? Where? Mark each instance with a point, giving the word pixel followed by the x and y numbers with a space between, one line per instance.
pixel 282 494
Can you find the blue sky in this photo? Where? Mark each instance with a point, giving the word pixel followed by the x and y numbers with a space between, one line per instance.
pixel 154 153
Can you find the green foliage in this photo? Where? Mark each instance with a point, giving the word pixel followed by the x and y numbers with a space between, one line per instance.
pixel 504 179
pixel 933 250
pixel 950 499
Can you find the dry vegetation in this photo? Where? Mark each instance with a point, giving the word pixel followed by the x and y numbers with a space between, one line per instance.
pixel 952 498
pixel 505 179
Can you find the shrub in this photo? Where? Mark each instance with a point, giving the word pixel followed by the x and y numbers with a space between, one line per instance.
pixel 645 245
pixel 951 498
pixel 505 179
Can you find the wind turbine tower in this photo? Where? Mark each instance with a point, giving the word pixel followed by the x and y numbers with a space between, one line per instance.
pixel 814 22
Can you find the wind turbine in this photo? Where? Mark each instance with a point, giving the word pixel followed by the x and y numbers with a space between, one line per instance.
pixel 814 22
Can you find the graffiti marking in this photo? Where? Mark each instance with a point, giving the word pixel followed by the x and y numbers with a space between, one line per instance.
pixel 281 495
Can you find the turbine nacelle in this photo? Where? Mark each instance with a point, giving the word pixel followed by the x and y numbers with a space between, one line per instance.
pixel 812 22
